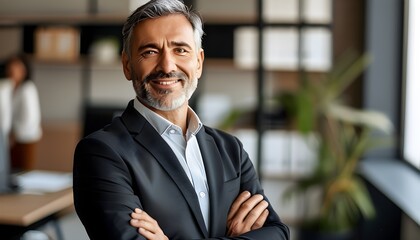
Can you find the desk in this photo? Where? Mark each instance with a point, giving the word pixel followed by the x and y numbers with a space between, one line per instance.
pixel 25 210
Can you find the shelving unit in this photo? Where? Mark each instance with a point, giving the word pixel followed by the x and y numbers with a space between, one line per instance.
pixel 219 45
pixel 257 135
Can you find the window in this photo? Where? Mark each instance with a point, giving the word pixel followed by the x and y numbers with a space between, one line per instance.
pixel 411 146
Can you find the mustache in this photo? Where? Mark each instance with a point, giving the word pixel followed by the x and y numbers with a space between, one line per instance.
pixel 160 75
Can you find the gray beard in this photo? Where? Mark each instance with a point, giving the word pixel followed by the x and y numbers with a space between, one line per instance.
pixel 160 103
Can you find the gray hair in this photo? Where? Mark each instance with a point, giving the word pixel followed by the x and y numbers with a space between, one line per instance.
pixel 159 8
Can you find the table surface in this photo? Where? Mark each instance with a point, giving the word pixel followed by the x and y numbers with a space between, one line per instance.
pixel 24 209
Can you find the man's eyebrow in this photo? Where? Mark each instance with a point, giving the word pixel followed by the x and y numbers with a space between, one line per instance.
pixel 181 44
pixel 155 45
pixel 148 45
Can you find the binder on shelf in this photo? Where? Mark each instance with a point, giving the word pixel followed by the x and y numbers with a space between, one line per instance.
pixel 317 11
pixel 280 48
pixel 279 52
pixel 57 43
pixel 281 11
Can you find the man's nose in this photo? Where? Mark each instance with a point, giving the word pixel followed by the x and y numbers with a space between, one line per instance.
pixel 167 63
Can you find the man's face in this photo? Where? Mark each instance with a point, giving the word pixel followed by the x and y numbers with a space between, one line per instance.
pixel 164 65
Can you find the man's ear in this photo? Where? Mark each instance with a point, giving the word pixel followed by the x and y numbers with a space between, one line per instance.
pixel 126 66
pixel 200 60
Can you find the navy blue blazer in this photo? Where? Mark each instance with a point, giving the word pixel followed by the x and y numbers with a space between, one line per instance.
pixel 127 164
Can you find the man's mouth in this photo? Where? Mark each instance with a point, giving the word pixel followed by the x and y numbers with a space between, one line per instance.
pixel 165 79
pixel 166 82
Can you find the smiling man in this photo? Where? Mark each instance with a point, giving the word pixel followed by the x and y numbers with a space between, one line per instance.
pixel 157 172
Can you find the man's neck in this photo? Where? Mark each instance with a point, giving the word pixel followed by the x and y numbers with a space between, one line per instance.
pixel 178 116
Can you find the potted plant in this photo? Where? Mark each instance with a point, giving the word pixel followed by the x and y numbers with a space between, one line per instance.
pixel 343 135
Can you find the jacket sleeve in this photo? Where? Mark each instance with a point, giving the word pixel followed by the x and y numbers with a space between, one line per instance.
pixel 273 228
pixel 103 195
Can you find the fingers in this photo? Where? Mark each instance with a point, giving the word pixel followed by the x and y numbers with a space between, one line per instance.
pixel 251 207
pixel 255 210
pixel 247 213
pixel 139 218
pixel 135 217
pixel 245 195
pixel 151 235
pixel 146 225
pixel 260 220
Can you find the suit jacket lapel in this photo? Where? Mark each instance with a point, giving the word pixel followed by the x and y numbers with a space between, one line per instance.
pixel 215 178
pixel 155 144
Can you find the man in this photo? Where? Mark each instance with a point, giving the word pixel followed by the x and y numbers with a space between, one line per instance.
pixel 156 172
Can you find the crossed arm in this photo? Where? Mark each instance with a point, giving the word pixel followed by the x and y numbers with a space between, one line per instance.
pixel 246 213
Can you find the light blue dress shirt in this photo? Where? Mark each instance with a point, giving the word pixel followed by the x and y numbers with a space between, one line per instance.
pixel 186 149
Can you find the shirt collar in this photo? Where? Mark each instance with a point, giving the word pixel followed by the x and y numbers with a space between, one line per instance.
pixel 161 124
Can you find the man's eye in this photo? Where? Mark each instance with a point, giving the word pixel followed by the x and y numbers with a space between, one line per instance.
pixel 181 51
pixel 148 53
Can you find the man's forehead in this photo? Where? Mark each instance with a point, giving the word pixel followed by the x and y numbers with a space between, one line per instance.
pixel 168 22
pixel 175 26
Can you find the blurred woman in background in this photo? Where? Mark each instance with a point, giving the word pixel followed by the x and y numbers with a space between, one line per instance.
pixel 25 128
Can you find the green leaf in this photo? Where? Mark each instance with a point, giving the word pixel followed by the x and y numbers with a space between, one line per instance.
pixel 362 199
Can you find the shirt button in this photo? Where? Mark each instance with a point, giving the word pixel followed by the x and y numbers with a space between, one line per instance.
pixel 172 131
pixel 202 194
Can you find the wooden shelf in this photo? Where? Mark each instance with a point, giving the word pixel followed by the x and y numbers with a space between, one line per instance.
pixel 219 62
pixel 214 20
pixel 70 19
pixel 80 61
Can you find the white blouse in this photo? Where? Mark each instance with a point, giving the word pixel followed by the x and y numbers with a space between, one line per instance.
pixel 6 90
pixel 26 116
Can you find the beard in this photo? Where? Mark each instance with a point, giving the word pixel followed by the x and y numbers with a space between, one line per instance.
pixel 164 100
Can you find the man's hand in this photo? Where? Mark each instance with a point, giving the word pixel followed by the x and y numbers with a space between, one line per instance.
pixel 146 225
pixel 246 213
